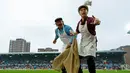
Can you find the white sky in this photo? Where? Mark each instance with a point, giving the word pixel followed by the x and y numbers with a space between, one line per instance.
pixel 33 20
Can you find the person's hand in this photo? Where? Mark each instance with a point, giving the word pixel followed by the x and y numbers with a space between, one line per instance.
pixel 96 20
pixel 75 33
pixel 71 32
pixel 54 42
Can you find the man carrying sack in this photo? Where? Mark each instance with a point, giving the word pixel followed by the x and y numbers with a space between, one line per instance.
pixel 66 59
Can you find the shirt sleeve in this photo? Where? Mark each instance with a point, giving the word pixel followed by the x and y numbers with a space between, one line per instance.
pixel 68 30
pixel 91 20
pixel 56 34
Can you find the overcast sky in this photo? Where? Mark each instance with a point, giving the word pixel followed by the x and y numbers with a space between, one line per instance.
pixel 33 20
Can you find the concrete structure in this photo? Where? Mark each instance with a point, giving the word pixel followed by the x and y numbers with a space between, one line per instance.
pixel 47 50
pixel 19 45
pixel 127 55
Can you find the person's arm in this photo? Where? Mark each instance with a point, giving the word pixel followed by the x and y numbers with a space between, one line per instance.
pixel 56 37
pixel 96 21
pixel 69 32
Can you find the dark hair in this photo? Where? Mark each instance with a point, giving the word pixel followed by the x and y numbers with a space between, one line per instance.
pixel 58 19
pixel 82 6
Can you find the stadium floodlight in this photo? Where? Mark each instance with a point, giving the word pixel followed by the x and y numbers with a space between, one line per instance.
pixel 128 32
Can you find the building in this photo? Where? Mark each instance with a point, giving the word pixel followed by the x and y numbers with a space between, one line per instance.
pixel 47 50
pixel 127 55
pixel 19 45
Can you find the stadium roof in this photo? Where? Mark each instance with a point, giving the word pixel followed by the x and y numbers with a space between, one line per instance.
pixel 117 51
pixel 113 51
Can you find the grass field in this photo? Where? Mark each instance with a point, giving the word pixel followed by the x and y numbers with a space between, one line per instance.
pixel 52 71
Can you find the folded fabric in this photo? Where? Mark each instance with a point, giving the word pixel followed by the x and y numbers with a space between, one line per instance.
pixel 68 59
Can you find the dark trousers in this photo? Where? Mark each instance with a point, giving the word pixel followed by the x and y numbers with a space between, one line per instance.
pixel 91 64
pixel 64 70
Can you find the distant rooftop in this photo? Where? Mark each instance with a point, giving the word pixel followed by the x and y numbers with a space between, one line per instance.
pixel 115 51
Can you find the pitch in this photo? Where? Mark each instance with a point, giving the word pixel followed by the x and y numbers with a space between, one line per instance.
pixel 52 71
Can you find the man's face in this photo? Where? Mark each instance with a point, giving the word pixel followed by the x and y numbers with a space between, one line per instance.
pixel 59 24
pixel 83 12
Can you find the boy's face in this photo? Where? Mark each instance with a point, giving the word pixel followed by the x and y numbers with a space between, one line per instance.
pixel 83 12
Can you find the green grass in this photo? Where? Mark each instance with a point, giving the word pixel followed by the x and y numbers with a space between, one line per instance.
pixel 52 71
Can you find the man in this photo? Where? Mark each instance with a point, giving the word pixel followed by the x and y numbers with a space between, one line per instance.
pixel 64 32
pixel 88 44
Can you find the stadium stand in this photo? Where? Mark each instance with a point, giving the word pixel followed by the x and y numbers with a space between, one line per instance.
pixel 104 60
